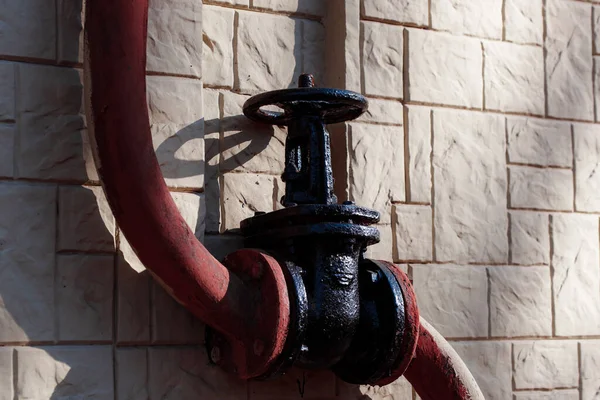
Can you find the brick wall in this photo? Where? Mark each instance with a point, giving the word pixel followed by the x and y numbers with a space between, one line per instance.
pixel 480 150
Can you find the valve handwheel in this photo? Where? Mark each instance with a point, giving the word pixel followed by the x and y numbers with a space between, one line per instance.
pixel 330 105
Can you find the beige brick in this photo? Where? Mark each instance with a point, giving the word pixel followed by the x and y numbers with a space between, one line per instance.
pixel 382 59
pixel 7 88
pixel 63 372
pixel 384 249
pixel 314 7
pixel 267 40
pixel 596 22
pixel 478 18
pixel 85 297
pixel 27 245
pixel 453 298
pixel 514 78
pixel 542 189
pixel 398 390
pixel 490 364
pixel 520 301
pixel 314 385
pixel 383 111
pixel 590 369
pixel 248 146
pixel 222 245
pixel 415 12
pixel 51 124
pixel 177 128
pixel 71 16
pixel 553 395
pixel 587 180
pixel 539 142
pixel 217 49
pixel 6 373
pixel 175 37
pixel 85 221
pixel 470 187
pixel 377 167
pixel 243 195
pixel 445 69
pixel 174 374
pixel 530 242
pixel 523 21
pixel 569 59
pixel 212 127
pixel 313 49
pixel 7 145
pixel 576 274
pixel 133 314
pixel 233 2
pixel 419 153
pixel 545 365
pixel 131 372
pixel 413 228
pixel 29 29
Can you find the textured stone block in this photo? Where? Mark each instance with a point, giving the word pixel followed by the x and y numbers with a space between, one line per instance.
pixel 71 15
pixel 470 185
pixel 545 365
pixel 569 59
pixel 377 167
pixel 539 142
pixel 523 21
pixel 553 395
pixel 596 21
pixel 85 221
pixel 248 146
pixel 401 389
pixel 587 180
pixel 384 249
pixel 415 12
pixel 7 145
pixel 222 245
pixel 520 301
pixel 382 59
pixel 217 49
pixel 175 37
pixel 590 369
pixel 51 123
pixel 133 313
pixel 175 106
pixel 530 242
pixel 243 195
pixel 212 157
pixel 174 374
pixel 489 362
pixel 313 49
pixel 576 274
pixel 296 384
pixel 542 189
pixel 6 373
pixel 85 297
pixel 413 228
pixel 419 153
pixel 477 18
pixel 445 69
pixel 29 29
pixel 267 40
pixel 27 245
pixel 233 2
pixel 59 372
pixel 313 7
pixel 453 298
pixel 7 88
pixel 383 111
pixel 171 322
pixel 132 377
pixel 514 78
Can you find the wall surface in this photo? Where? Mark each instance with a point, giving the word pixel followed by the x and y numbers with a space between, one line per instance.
pixel 480 150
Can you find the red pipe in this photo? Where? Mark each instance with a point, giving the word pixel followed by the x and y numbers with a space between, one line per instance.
pixel 115 63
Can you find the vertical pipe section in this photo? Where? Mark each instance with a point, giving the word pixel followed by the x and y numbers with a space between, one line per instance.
pixel 437 372
pixel 115 64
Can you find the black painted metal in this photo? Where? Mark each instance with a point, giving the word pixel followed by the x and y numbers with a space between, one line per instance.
pixel 347 312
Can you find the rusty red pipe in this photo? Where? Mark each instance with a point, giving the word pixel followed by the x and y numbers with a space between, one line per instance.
pixel 115 62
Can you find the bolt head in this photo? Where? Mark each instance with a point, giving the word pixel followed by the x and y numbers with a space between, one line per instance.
pixel 215 354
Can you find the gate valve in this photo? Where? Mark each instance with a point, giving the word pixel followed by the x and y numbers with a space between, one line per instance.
pixel 355 316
